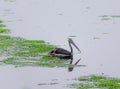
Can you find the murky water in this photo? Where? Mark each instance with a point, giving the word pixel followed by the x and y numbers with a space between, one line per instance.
pixel 95 25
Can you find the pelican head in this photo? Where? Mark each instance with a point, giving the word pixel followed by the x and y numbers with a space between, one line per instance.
pixel 71 42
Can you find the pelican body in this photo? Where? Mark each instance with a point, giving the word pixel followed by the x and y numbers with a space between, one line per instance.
pixel 63 53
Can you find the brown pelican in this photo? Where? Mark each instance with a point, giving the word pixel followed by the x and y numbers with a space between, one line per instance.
pixel 63 53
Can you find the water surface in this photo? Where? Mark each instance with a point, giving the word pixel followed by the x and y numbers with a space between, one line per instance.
pixel 94 26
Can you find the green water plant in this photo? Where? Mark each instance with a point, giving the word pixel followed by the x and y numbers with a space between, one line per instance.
pixel 97 82
pixel 109 17
pixel 22 52
pixel 3 28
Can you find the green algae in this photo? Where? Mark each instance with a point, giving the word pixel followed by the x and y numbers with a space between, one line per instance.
pixel 22 52
pixel 3 28
pixel 109 17
pixel 97 82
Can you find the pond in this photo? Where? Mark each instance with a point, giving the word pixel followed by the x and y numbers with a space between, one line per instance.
pixel 93 25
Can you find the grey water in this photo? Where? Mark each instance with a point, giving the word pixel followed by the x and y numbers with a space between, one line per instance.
pixel 93 25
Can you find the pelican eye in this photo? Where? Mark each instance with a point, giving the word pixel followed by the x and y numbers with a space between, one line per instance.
pixel 52 52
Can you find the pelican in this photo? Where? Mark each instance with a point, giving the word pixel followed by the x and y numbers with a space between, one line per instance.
pixel 63 53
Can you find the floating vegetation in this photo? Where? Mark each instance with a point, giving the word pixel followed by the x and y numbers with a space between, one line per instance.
pixel 105 17
pixel 115 16
pixel 41 84
pixel 21 52
pixel 3 28
pixel 108 17
pixel 97 82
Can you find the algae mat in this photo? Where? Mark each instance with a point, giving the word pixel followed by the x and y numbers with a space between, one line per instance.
pixel 97 82
pixel 21 52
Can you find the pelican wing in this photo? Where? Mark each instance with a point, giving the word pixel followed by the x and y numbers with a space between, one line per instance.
pixel 61 53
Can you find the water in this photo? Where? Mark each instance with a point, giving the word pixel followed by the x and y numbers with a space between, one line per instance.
pixel 96 34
